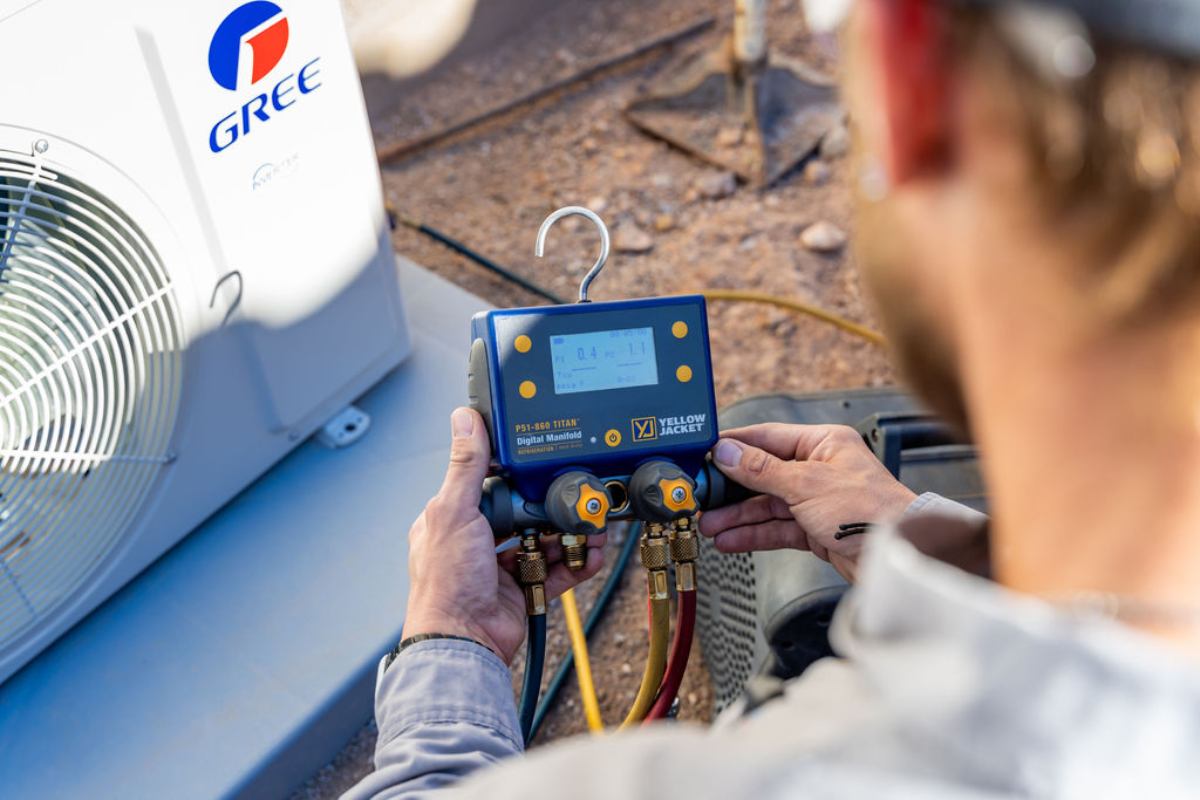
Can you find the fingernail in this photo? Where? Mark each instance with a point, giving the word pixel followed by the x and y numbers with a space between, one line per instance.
pixel 462 422
pixel 727 453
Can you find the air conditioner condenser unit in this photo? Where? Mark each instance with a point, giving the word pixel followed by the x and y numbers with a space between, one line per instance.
pixel 195 274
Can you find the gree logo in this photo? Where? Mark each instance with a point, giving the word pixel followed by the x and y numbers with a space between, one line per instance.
pixel 262 26
pixel 645 429
pixel 259 24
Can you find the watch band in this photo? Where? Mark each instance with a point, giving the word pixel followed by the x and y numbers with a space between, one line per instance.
pixel 424 637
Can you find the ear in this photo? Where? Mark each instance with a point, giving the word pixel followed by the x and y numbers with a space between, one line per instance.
pixel 908 37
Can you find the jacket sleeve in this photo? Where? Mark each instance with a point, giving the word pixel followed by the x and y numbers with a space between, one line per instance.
pixel 934 504
pixel 444 709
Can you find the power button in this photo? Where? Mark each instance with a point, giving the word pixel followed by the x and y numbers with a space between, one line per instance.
pixel 612 438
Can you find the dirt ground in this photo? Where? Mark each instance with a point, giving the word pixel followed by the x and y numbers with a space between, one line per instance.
pixel 491 186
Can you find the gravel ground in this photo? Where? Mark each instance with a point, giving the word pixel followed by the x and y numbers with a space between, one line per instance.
pixel 491 186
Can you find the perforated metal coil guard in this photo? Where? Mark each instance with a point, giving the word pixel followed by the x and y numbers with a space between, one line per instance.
pixel 732 642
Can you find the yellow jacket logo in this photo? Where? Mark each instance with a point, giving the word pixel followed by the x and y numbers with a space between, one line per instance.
pixel 645 429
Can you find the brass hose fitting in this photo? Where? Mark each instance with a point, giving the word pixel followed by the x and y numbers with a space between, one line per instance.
pixel 531 573
pixel 574 547
pixel 685 550
pixel 653 549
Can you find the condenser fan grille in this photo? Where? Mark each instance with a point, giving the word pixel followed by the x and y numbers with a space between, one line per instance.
pixel 89 384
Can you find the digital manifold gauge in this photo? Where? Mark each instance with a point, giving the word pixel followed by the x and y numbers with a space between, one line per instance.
pixel 601 386
pixel 596 411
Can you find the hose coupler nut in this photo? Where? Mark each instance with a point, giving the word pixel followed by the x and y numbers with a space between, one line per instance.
pixel 685 545
pixel 654 558
pixel 574 547
pixel 531 574
pixel 654 552
pixel 685 549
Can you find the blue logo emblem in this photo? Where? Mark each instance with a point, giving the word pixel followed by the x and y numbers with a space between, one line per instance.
pixel 267 44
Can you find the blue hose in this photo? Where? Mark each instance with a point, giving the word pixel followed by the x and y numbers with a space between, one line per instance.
pixel 535 662
pixel 593 619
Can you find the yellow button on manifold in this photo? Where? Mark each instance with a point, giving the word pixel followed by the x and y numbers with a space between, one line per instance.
pixel 683 373
pixel 523 343
pixel 679 329
pixel 613 437
pixel 527 389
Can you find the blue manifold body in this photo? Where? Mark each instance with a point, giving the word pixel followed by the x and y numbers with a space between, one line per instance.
pixel 601 387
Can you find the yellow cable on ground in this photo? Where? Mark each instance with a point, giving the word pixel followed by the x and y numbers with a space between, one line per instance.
pixel 656 663
pixel 583 665
pixel 743 296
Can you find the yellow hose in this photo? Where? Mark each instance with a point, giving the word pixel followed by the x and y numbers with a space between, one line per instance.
pixel 734 295
pixel 583 665
pixel 656 663
pixel 742 296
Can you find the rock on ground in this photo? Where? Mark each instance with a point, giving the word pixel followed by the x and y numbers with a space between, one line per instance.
pixel 716 185
pixel 632 239
pixel 823 237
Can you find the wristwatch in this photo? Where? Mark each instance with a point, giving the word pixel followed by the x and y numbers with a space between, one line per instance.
pixel 424 637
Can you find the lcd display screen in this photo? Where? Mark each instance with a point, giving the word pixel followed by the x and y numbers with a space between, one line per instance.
pixel 593 362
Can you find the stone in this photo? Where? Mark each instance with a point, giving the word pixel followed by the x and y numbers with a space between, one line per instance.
pixel 817 172
pixel 597 204
pixel 823 237
pixel 664 223
pixel 632 239
pixel 836 143
pixel 716 185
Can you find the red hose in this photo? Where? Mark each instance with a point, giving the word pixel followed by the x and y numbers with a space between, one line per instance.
pixel 681 648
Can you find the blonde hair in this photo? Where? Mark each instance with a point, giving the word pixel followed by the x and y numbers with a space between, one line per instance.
pixel 1117 150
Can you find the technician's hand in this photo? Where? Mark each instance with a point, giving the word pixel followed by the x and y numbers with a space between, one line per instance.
pixel 458 587
pixel 812 478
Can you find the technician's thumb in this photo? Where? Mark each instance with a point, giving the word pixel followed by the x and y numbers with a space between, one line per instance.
pixel 756 469
pixel 469 456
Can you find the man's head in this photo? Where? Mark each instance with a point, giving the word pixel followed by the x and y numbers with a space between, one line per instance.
pixel 1017 169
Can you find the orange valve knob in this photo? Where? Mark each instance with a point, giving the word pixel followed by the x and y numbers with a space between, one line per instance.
pixel 659 491
pixel 577 503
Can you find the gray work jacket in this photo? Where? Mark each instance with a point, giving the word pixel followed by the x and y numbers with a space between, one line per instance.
pixel 948 686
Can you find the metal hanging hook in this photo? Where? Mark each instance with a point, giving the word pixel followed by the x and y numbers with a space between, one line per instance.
pixel 580 211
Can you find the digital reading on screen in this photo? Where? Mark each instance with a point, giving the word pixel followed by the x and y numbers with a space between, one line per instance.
pixel 592 362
